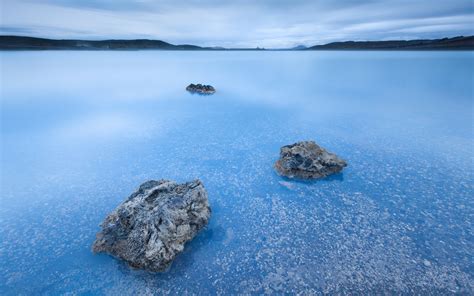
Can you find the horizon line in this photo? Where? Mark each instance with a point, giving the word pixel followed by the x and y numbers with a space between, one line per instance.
pixel 221 47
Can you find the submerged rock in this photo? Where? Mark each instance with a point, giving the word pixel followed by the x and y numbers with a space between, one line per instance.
pixel 306 160
pixel 201 89
pixel 151 227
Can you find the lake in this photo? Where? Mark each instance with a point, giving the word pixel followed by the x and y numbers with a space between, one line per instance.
pixel 81 130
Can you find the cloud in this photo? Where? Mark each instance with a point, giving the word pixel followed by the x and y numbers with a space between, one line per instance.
pixel 16 30
pixel 111 5
pixel 240 23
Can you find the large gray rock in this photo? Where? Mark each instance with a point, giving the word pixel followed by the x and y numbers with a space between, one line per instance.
pixel 306 160
pixel 151 227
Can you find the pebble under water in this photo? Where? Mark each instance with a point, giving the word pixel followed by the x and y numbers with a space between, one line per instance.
pixel 80 131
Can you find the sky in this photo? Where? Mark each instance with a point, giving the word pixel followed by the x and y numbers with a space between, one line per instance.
pixel 239 23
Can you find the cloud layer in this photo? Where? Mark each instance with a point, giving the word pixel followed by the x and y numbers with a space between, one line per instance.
pixel 239 23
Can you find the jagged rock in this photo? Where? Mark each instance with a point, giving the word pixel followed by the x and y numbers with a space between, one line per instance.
pixel 201 89
pixel 151 227
pixel 306 160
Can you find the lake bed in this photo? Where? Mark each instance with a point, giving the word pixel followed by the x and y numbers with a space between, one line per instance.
pixel 80 130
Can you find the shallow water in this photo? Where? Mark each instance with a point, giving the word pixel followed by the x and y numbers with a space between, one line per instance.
pixel 81 130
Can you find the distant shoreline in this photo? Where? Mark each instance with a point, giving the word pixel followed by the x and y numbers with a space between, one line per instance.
pixel 10 43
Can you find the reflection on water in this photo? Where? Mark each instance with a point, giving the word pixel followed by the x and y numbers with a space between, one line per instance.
pixel 81 130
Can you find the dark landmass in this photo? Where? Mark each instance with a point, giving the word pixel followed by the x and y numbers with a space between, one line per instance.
pixel 33 43
pixel 455 43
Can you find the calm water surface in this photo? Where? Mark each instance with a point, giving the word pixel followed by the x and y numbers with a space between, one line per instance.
pixel 81 130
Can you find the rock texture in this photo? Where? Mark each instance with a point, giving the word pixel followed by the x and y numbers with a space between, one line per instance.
pixel 151 227
pixel 201 89
pixel 306 160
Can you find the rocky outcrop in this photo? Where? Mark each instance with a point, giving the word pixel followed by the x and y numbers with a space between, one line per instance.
pixel 151 227
pixel 306 160
pixel 201 89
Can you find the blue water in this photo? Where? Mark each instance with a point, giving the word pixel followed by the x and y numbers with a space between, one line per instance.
pixel 81 130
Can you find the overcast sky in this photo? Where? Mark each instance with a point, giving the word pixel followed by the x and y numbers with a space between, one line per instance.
pixel 239 23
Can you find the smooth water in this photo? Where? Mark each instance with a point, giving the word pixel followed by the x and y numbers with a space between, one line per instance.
pixel 81 130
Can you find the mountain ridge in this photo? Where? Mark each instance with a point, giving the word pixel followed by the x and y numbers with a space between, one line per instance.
pixel 12 42
pixel 33 43
pixel 454 43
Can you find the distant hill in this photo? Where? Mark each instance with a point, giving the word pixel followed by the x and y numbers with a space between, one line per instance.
pixel 32 43
pixel 299 47
pixel 455 43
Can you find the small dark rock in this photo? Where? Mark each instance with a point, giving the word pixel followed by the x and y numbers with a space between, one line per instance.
pixel 201 89
pixel 306 160
pixel 151 227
